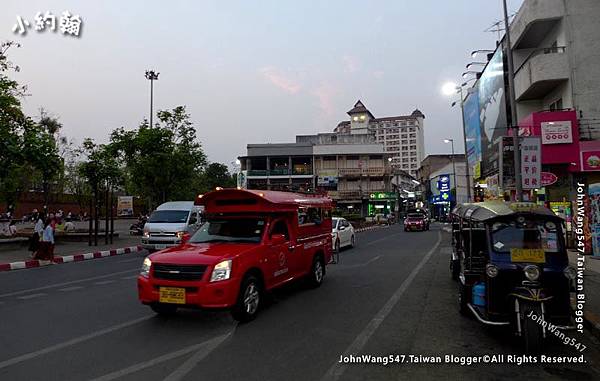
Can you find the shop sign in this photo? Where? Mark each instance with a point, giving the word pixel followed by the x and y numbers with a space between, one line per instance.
pixel 531 163
pixel 442 198
pixel 590 160
pixel 492 183
pixel 556 132
pixel 443 183
pixel 382 195
pixel 548 178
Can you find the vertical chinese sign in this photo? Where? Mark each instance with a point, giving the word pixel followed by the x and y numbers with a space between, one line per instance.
pixel 531 162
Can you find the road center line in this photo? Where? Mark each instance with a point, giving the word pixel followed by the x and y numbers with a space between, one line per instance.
pixel 66 283
pixel 77 340
pixel 336 371
pixel 100 283
pixel 381 239
pixel 73 288
pixel 203 349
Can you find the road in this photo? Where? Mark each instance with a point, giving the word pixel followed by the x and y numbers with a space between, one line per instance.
pixel 392 294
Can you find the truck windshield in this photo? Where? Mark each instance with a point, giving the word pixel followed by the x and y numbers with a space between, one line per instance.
pixel 169 216
pixel 230 230
pixel 525 234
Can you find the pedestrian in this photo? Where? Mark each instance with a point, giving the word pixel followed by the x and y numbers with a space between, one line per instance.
pixel 46 250
pixel 38 230
pixel 12 228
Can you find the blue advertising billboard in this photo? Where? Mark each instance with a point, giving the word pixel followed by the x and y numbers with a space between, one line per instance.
pixel 473 131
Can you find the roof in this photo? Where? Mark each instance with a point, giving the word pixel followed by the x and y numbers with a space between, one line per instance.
pixel 359 108
pixel 417 114
pixel 176 205
pixel 261 200
pixel 482 211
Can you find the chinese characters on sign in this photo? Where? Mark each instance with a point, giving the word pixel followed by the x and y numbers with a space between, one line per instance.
pixel 68 24
pixel 531 162
pixel 556 132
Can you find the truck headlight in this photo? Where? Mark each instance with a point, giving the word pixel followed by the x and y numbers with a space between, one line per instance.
pixel 146 234
pixel 146 267
pixel 222 271
pixel 570 272
pixel 532 272
pixel 491 271
pixel 179 235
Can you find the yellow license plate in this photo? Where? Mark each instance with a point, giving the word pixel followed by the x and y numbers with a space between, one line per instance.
pixel 528 255
pixel 174 295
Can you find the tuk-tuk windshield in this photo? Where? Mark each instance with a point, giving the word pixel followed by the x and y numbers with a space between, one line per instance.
pixel 525 233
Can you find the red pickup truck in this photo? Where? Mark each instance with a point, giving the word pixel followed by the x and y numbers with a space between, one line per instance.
pixel 252 242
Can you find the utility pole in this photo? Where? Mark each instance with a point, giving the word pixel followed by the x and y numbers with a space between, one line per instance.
pixel 467 169
pixel 513 109
pixel 152 76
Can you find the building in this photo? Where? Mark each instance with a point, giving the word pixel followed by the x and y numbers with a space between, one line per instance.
pixel 353 170
pixel 402 136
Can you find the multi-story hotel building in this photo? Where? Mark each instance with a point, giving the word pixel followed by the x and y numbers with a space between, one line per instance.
pixel 402 136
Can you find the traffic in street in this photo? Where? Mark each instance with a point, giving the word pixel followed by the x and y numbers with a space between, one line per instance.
pixel 392 294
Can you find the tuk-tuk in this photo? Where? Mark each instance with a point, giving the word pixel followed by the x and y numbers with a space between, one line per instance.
pixel 512 267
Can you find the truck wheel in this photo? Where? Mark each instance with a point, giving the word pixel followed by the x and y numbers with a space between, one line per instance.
pixel 532 331
pixel 249 298
pixel 317 272
pixel 164 309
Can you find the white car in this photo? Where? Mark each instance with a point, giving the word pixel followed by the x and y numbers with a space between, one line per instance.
pixel 342 233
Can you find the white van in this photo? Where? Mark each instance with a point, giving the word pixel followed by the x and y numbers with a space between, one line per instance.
pixel 169 223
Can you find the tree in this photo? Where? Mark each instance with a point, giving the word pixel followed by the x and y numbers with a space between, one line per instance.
pixel 216 175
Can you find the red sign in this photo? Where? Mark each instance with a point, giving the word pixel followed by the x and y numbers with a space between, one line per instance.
pixel 590 160
pixel 548 178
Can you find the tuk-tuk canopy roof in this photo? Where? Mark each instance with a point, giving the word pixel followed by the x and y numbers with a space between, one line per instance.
pixel 259 200
pixel 483 211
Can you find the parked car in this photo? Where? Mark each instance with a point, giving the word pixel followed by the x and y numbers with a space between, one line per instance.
pixel 416 221
pixel 170 224
pixel 252 242
pixel 342 233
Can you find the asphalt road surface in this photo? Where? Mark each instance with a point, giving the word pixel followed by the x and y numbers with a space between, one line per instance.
pixel 392 294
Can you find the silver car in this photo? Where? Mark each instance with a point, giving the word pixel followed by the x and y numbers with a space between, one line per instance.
pixel 342 233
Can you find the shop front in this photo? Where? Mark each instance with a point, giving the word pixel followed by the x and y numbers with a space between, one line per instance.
pixel 382 203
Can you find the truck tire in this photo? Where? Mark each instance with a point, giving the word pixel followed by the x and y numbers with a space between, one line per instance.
pixel 249 299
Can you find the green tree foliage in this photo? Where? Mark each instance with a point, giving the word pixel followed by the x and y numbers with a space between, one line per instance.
pixel 163 162
pixel 216 175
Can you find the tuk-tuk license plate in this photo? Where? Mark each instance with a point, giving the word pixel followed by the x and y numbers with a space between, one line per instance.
pixel 528 255
pixel 174 295
pixel 160 246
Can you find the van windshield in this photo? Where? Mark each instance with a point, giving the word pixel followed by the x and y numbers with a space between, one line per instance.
pixel 169 216
pixel 230 230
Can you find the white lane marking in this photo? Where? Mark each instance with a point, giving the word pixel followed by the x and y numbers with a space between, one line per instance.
pixel 73 288
pixel 31 296
pixel 68 343
pixel 381 239
pixel 203 349
pixel 130 277
pixel 100 283
pixel 337 370
pixel 67 283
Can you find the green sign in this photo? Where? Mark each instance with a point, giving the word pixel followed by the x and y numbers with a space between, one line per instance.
pixel 383 196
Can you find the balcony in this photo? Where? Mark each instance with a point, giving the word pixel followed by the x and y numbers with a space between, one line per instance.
pixel 279 172
pixel 257 172
pixel 534 21
pixel 355 172
pixel 541 72
pixel 345 172
pixel 348 194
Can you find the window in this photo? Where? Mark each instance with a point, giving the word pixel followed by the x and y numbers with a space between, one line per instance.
pixel 309 216
pixel 280 227
pixel 413 147
pixel 413 141
pixel 556 105
pixel 230 230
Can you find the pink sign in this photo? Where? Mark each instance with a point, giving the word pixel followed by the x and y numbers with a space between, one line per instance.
pixel 548 178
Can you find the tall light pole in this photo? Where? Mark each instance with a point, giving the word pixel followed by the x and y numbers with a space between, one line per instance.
pixel 513 108
pixel 453 168
pixel 152 76
pixel 448 89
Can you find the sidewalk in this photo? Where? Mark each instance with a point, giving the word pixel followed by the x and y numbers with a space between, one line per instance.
pixel 591 290
pixel 11 259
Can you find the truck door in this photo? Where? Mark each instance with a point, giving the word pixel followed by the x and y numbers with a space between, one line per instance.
pixel 281 256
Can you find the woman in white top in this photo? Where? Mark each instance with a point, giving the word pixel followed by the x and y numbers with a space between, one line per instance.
pixel 38 230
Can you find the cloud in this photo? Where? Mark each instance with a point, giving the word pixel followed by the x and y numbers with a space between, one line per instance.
pixel 325 93
pixel 351 63
pixel 378 74
pixel 280 79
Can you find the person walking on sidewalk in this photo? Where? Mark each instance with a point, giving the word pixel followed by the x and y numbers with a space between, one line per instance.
pixel 46 250
pixel 38 230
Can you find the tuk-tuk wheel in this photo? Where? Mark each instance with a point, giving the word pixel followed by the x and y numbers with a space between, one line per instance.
pixel 532 331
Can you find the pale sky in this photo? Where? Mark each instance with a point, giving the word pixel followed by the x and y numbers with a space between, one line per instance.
pixel 250 71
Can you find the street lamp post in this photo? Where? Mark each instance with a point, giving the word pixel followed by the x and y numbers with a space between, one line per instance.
pixel 451 141
pixel 152 76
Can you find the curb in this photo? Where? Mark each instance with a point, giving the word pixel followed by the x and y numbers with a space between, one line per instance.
pixel 69 258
